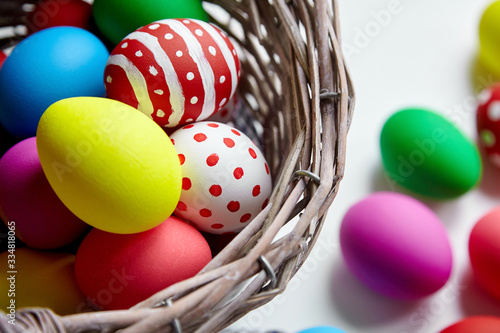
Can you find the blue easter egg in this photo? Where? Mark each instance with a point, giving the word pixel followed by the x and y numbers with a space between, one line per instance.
pixel 48 66
pixel 322 329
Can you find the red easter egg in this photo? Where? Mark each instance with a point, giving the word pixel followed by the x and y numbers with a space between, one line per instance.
pixel 176 71
pixel 54 13
pixel 484 252
pixel 3 56
pixel 116 271
pixel 475 324
pixel 488 122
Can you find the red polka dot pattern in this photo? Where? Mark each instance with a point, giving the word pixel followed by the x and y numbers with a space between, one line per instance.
pixel 228 184
pixel 212 159
pixel 186 183
pixel 182 206
pixel 245 217
pixel 267 168
pixel 238 173
pixel 256 190
pixel 205 212
pixel 215 190
pixel 229 142
pixel 233 206
pixel 182 158
pixel 265 203
pixel 199 137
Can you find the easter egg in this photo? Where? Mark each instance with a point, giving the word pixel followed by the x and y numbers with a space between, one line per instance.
pixel 322 329
pixel 26 197
pixel 489 30
pixel 3 56
pixel 117 18
pixel 53 13
pixel 396 246
pixel 226 180
pixel 174 71
pixel 488 123
pixel 118 271
pixel 225 113
pixel 476 324
pixel 425 153
pixel 109 164
pixel 45 67
pixel 39 279
pixel 484 252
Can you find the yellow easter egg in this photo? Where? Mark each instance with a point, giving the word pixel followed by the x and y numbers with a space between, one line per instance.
pixel 110 164
pixel 39 279
pixel 489 36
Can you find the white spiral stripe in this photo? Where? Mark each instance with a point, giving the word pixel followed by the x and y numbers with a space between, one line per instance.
pixel 195 50
pixel 228 57
pixel 136 80
pixel 174 86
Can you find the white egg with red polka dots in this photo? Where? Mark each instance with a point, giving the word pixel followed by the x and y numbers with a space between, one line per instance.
pixel 226 180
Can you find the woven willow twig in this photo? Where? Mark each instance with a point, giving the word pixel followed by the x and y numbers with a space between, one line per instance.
pixel 296 85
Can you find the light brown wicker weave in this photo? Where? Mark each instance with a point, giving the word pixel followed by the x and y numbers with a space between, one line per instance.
pixel 295 81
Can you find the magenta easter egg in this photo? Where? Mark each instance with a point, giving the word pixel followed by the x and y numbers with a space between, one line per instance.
pixel 117 271
pixel 176 71
pixel 396 246
pixel 488 123
pixel 226 180
pixel 26 197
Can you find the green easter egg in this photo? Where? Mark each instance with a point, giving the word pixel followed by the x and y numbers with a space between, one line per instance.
pixel 117 18
pixel 425 153
pixel 489 35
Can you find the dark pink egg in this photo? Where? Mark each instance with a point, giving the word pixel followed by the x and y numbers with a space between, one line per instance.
pixel 55 13
pixel 41 220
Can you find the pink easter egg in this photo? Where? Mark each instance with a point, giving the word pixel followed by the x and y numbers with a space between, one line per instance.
pixel 396 246
pixel 176 71
pixel 226 180
pixel 41 220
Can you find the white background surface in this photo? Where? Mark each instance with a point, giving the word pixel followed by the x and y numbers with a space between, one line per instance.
pixel 419 56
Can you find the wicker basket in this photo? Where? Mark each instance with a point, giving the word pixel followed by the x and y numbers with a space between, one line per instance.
pixel 295 82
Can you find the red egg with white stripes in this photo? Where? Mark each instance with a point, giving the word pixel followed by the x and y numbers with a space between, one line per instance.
pixel 176 71
pixel 226 180
pixel 488 123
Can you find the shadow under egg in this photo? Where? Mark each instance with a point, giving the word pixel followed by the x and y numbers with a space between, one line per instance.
pixel 362 307
pixel 474 300
pixel 480 76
